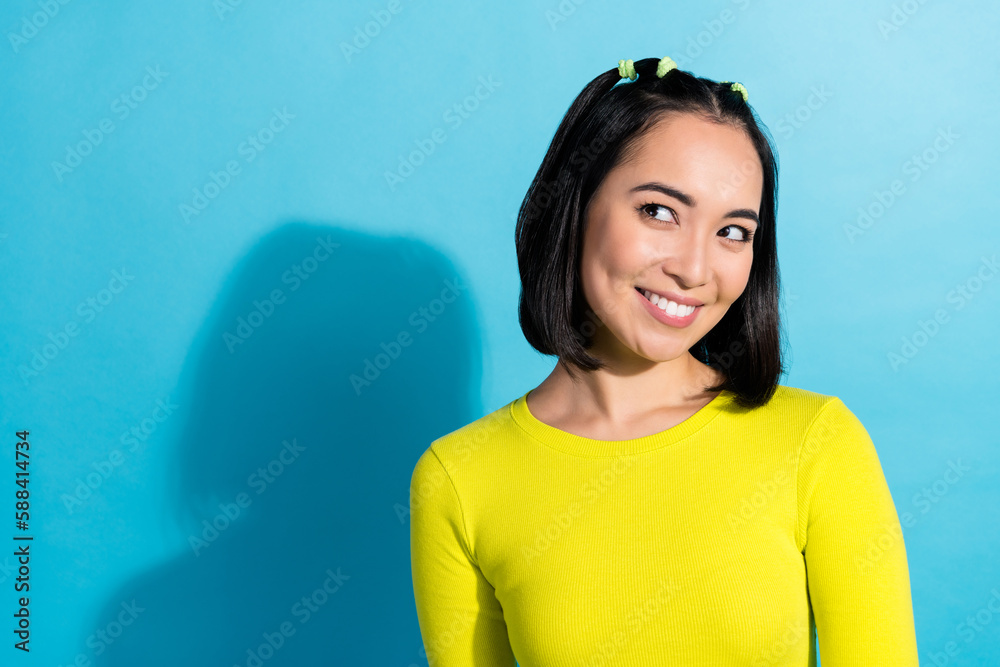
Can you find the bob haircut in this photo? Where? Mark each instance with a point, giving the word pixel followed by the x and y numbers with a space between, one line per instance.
pixel 601 130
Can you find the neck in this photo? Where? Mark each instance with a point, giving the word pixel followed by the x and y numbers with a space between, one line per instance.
pixel 620 392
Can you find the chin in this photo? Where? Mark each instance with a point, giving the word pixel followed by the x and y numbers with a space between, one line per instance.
pixel 662 352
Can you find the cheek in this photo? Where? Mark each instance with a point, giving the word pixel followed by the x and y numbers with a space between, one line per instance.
pixel 602 286
pixel 611 265
pixel 737 276
pixel 607 284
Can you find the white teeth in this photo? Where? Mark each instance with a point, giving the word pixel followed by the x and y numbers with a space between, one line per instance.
pixel 668 306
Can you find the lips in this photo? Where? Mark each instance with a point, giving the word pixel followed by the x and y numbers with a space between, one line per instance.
pixel 672 320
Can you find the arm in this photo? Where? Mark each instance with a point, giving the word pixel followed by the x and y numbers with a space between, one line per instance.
pixel 461 621
pixel 849 532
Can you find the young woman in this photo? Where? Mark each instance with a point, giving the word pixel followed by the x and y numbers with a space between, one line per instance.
pixel 660 499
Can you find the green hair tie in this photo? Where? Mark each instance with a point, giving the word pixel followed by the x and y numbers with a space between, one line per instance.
pixel 665 65
pixel 627 68
pixel 739 88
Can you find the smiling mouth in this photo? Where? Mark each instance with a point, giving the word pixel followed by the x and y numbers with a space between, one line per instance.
pixel 666 305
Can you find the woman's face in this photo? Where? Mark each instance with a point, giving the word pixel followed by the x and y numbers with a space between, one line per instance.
pixel 676 220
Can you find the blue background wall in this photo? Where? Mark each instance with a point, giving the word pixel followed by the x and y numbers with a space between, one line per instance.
pixel 151 407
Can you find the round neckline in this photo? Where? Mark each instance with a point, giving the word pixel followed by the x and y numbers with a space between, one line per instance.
pixel 584 446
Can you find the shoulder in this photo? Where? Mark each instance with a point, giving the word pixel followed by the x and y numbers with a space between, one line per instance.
pixel 820 409
pixel 477 445
pixel 802 418
pixel 800 400
pixel 826 429
pixel 793 407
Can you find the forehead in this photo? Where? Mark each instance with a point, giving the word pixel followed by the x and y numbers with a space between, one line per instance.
pixel 696 155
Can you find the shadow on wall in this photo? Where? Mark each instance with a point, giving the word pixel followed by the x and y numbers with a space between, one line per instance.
pixel 291 480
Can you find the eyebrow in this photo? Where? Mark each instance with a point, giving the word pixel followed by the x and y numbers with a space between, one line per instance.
pixel 688 200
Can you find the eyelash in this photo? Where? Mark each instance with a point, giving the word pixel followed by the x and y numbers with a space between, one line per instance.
pixel 747 234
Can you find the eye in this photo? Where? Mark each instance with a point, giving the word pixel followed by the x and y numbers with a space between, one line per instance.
pixel 743 235
pixel 651 210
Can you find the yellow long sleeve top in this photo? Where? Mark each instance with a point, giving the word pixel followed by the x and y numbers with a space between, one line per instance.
pixel 737 537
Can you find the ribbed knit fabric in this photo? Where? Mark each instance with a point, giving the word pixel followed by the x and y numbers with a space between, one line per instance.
pixel 733 538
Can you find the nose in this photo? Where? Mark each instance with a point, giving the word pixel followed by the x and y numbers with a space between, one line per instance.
pixel 687 259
